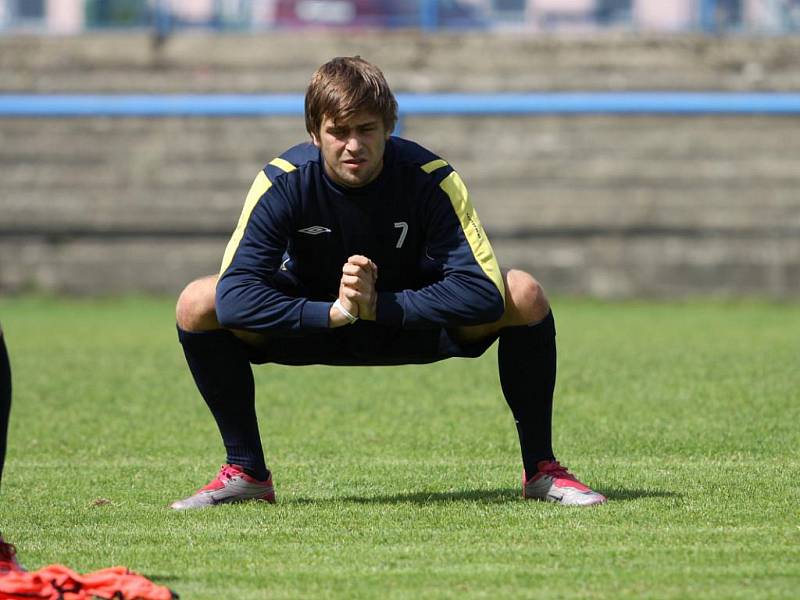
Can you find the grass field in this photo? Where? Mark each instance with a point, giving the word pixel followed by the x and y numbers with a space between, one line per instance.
pixel 403 482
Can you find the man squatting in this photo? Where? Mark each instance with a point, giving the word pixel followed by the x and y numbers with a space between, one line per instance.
pixel 359 248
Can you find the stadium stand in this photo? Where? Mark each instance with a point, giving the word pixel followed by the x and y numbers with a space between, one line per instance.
pixel 600 205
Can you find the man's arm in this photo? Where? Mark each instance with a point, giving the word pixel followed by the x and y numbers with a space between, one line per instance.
pixel 471 291
pixel 246 295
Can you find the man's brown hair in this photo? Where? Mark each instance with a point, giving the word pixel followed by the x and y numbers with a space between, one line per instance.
pixel 345 86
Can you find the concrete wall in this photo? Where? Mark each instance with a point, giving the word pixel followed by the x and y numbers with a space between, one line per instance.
pixel 412 61
pixel 607 206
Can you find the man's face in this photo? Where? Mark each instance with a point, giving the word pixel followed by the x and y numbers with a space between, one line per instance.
pixel 352 150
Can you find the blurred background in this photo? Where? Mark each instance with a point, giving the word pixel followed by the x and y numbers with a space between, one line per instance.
pixel 609 205
pixel 78 16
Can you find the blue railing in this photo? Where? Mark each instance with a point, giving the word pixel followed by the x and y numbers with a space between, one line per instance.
pixel 535 103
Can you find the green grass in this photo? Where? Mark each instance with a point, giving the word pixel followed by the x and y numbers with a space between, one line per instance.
pixel 403 482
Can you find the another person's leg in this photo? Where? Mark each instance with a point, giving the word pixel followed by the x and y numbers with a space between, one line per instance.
pixel 219 363
pixel 5 399
pixel 8 560
pixel 527 366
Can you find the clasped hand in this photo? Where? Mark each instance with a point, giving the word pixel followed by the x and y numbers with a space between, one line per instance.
pixel 356 291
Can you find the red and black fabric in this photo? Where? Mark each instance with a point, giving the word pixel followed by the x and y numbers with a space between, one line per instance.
pixel 57 582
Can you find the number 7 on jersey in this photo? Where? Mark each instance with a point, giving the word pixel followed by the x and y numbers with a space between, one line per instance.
pixel 403 227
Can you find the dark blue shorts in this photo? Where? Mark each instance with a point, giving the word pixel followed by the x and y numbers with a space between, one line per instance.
pixel 365 343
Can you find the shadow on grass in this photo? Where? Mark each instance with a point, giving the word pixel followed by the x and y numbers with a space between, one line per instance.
pixel 627 494
pixel 162 579
pixel 482 496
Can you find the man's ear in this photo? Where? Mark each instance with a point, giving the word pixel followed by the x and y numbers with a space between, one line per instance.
pixel 315 140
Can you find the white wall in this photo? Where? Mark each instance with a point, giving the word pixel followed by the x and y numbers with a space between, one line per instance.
pixel 64 16
pixel 664 16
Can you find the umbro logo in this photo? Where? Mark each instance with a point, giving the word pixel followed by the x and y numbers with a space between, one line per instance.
pixel 315 230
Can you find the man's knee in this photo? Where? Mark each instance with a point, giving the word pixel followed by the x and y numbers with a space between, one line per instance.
pixel 195 309
pixel 525 299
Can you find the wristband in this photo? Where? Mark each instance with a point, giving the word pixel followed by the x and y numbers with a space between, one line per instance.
pixel 351 318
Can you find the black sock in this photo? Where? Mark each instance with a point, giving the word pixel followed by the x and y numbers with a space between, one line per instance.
pixel 220 367
pixel 527 362
pixel 5 400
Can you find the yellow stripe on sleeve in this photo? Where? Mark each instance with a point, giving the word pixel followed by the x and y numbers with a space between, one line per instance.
pixel 473 230
pixel 283 165
pixel 260 185
pixel 433 165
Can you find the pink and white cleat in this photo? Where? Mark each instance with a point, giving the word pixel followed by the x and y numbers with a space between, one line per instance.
pixel 231 484
pixel 553 483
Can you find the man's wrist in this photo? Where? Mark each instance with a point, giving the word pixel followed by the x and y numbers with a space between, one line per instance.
pixel 348 316
pixel 368 314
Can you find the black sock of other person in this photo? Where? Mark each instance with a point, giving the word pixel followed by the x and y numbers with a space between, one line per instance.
pixel 527 363
pixel 221 370
pixel 5 399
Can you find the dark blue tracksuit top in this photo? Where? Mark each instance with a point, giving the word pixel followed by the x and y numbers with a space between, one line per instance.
pixel 282 266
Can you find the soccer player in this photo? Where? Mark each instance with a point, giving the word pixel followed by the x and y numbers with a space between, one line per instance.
pixel 8 560
pixel 359 248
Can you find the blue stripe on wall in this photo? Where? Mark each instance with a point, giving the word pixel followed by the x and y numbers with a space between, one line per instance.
pixel 565 103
